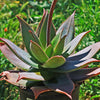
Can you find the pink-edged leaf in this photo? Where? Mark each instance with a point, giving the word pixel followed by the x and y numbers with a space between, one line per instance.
pixel 68 29
pixel 70 47
pixel 27 36
pixel 71 66
pixel 37 52
pixel 21 54
pixel 42 35
pixel 93 49
pixel 50 21
pixel 11 77
pixel 39 90
pixel 78 57
pixel 52 31
pixel 54 62
pixel 49 50
pixel 56 39
pixel 43 32
pixel 68 96
pixel 41 23
pixel 59 47
pixel 30 76
pixel 13 58
pixel 83 74
pixel 62 84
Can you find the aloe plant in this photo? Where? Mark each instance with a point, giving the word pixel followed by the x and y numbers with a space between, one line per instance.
pixel 50 63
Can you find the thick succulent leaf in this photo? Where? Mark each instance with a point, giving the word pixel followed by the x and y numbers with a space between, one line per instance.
pixel 21 54
pixel 92 49
pixel 41 23
pixel 13 58
pixel 71 66
pixel 43 31
pixel 27 35
pixel 39 90
pixel 56 39
pixel 68 29
pixel 83 74
pixel 59 47
pixel 70 47
pixel 50 21
pixel 11 77
pixel 49 50
pixel 38 53
pixel 61 84
pixel 78 57
pixel 29 76
pixel 52 31
pixel 54 62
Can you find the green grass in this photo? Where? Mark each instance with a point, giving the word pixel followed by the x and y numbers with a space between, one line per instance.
pixel 87 17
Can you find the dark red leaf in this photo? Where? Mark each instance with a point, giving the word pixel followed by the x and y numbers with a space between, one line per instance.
pixel 62 84
pixel 50 21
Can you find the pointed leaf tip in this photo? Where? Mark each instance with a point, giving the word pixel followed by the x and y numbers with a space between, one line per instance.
pixel 1 44
pixel 50 21
pixel 70 47
pixel 44 12
pixel 30 31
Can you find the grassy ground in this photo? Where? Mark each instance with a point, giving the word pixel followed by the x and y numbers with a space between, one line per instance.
pixel 87 17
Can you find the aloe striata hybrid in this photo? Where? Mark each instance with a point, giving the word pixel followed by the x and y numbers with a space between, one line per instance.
pixel 49 65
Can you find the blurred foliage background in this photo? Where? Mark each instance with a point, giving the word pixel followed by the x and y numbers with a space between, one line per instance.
pixel 87 17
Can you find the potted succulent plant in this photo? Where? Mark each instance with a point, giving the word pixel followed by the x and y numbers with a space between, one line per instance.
pixel 49 70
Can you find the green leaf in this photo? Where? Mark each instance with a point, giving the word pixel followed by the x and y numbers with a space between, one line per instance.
pixel 27 34
pixel 38 53
pixel 49 50
pixel 21 54
pixel 13 58
pixel 54 62
pixel 71 66
pixel 59 47
pixel 55 40
pixel 92 50
pixel 52 31
pixel 70 47
pixel 43 31
pixel 68 29
pixel 41 23
pixel 83 74
pixel 29 76
pixel 23 6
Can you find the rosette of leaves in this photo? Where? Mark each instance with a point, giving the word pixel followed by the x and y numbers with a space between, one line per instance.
pixel 49 63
